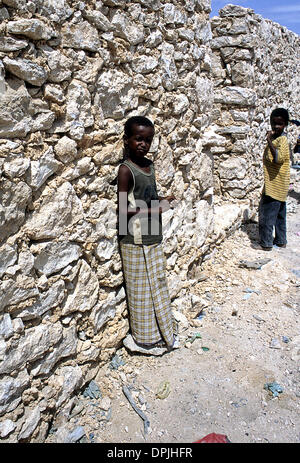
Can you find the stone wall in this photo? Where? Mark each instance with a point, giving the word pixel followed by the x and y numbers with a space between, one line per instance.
pixel 255 69
pixel 71 73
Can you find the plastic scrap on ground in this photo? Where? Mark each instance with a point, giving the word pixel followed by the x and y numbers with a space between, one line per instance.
pixel 213 438
pixel 274 387
pixel 193 337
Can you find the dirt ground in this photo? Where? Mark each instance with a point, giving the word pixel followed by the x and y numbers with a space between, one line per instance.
pixel 218 380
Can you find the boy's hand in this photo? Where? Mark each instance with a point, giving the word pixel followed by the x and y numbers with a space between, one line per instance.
pixel 270 135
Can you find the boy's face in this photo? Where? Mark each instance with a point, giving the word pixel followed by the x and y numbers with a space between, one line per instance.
pixel 278 125
pixel 140 140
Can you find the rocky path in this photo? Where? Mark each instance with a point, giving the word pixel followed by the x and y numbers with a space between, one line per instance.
pixel 236 372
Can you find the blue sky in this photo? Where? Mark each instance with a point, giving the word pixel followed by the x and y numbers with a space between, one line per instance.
pixel 287 15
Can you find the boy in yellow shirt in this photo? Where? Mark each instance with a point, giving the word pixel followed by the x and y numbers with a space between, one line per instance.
pixel 276 165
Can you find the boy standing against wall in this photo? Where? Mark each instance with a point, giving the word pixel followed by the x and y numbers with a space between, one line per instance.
pixel 276 165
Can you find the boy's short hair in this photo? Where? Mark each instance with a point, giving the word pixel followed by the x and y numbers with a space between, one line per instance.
pixel 280 112
pixel 136 120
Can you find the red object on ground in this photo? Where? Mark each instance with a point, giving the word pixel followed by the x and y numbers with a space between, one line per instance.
pixel 213 438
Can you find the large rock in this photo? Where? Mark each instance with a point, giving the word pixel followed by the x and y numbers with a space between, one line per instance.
pixel 82 36
pixel 173 15
pixel 42 169
pixel 168 67
pixel 30 347
pixel 115 94
pixel 71 379
pixel 52 257
pixel 57 11
pixel 65 348
pixel 13 292
pixel 44 302
pixel 6 427
pixel 98 19
pixel 60 210
pixel 14 198
pixel 15 166
pixel 78 109
pixel 233 168
pixel 28 70
pixel 19 114
pixel 66 149
pixel 31 28
pixel 6 327
pixel 14 118
pixel 126 29
pixel 8 44
pixel 106 309
pixel 85 294
pixel 8 256
pixel 60 66
pixel 32 419
pixel 235 96
pixel 11 389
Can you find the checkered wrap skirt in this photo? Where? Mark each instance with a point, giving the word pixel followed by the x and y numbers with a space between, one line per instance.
pixel 151 318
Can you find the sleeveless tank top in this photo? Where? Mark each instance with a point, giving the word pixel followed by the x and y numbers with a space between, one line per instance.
pixel 142 230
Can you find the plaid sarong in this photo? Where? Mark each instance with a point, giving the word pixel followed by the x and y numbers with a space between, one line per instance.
pixel 151 318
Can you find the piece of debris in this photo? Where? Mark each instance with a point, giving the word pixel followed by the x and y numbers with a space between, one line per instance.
pixel 296 272
pixel 274 387
pixel 213 438
pixel 193 337
pixel 275 344
pixel 105 403
pixel 163 390
pixel 181 320
pixel 256 264
pixel 136 409
pixel 92 391
pixel 200 315
pixel 239 403
pixel 250 290
pixel 116 362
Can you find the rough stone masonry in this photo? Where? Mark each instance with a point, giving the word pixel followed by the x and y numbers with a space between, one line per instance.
pixel 71 73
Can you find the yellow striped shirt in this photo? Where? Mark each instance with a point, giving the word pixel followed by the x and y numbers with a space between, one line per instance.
pixel 277 174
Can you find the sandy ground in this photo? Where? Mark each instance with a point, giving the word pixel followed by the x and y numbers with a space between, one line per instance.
pixel 248 338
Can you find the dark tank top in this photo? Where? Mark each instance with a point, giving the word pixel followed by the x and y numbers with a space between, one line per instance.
pixel 142 230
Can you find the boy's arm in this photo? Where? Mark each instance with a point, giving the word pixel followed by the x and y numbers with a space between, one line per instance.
pixel 125 182
pixel 279 148
pixel 272 147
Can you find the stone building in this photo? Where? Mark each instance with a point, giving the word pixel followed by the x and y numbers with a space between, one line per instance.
pixel 71 73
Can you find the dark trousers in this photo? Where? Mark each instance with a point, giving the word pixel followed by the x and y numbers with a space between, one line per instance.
pixel 272 214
